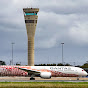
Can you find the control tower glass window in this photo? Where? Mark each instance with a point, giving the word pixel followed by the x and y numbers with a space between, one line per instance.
pixel 30 13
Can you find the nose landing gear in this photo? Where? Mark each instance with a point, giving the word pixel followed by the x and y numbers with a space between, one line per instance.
pixel 77 78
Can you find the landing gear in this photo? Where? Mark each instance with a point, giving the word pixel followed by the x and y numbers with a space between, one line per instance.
pixel 77 78
pixel 32 78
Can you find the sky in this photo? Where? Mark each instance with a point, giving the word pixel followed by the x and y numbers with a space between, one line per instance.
pixel 58 21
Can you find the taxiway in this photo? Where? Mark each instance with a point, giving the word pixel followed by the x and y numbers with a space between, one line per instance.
pixel 38 79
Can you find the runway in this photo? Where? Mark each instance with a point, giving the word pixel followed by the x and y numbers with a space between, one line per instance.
pixel 38 79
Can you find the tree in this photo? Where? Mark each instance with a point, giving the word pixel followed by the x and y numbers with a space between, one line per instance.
pixel 85 65
pixel 2 63
pixel 60 64
pixel 67 64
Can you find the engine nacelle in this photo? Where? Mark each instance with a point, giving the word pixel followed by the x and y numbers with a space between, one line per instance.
pixel 45 75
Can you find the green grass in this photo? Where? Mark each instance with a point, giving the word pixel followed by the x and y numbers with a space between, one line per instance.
pixel 43 84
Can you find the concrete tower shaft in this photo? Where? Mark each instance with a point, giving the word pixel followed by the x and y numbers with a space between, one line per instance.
pixel 30 16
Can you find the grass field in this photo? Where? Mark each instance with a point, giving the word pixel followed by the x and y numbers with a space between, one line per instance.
pixel 43 85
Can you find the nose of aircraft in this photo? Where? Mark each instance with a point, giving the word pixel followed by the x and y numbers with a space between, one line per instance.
pixel 85 73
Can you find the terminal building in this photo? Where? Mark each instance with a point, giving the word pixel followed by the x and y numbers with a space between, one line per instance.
pixel 30 17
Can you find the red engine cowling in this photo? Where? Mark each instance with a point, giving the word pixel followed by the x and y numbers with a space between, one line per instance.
pixel 45 75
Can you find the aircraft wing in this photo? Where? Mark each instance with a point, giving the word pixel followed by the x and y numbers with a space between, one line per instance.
pixel 29 70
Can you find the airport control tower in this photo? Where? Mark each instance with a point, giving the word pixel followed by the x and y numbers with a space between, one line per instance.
pixel 30 16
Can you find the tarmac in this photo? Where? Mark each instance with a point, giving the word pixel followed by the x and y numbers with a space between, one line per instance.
pixel 38 79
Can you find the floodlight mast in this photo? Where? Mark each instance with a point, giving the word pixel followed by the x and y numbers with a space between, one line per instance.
pixel 62 53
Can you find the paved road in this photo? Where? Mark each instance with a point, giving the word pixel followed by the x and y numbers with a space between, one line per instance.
pixel 38 79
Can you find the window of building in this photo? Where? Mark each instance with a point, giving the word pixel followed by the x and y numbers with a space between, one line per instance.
pixel 30 21
pixel 35 21
pixel 30 13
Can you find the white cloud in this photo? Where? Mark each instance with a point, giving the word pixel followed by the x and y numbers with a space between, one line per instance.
pixel 54 27
pixel 79 33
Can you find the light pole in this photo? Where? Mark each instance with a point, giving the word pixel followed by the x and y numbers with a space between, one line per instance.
pixel 62 53
pixel 12 52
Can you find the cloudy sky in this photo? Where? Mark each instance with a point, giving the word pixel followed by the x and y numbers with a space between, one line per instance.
pixel 58 21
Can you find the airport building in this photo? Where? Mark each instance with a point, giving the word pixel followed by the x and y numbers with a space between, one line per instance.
pixel 30 16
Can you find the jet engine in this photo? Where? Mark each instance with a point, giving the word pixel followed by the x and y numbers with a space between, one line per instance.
pixel 45 75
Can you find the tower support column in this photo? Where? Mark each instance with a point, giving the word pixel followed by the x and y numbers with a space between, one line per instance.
pixel 31 51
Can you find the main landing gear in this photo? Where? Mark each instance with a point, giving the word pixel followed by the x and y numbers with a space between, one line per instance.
pixel 32 77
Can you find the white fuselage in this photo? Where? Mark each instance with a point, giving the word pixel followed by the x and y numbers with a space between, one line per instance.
pixel 42 71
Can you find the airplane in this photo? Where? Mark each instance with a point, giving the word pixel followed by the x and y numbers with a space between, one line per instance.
pixel 45 72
